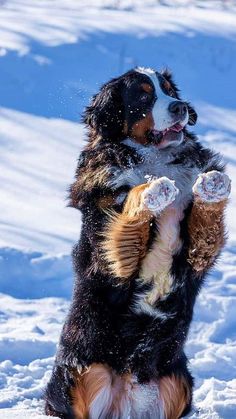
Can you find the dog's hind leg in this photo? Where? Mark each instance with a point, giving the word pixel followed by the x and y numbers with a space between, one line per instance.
pixel 127 233
pixel 206 222
pixel 58 394
pixel 176 389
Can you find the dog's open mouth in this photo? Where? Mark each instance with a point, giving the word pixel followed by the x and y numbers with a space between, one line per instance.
pixel 172 134
pixel 175 128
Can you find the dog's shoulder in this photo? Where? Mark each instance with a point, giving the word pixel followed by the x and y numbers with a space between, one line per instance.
pixel 97 168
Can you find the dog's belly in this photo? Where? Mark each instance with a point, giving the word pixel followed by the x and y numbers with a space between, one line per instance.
pixel 156 266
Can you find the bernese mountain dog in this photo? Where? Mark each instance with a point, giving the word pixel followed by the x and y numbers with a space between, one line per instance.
pixel 152 200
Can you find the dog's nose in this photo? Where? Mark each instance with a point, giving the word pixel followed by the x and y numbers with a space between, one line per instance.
pixel 178 108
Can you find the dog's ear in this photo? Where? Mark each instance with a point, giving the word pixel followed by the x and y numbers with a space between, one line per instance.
pixel 192 115
pixel 106 112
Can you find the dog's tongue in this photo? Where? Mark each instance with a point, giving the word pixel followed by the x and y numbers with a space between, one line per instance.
pixel 160 135
pixel 176 128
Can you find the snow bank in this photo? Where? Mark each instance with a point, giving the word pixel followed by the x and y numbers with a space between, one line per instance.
pixel 38 159
pixel 34 274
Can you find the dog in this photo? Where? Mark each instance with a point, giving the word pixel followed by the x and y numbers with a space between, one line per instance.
pixel 152 200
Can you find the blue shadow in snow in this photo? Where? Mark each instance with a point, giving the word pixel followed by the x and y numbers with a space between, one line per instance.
pixel 58 81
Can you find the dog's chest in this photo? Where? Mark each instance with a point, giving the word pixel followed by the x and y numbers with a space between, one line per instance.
pixel 156 266
pixel 155 164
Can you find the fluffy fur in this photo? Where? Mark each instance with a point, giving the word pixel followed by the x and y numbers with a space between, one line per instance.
pixel 145 247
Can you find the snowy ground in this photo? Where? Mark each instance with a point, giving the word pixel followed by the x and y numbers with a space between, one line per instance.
pixel 53 56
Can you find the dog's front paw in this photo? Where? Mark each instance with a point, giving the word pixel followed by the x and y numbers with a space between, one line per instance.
pixel 212 186
pixel 159 194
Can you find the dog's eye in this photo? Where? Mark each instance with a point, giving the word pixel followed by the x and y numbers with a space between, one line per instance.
pixel 171 93
pixel 166 86
pixel 144 97
pixel 169 90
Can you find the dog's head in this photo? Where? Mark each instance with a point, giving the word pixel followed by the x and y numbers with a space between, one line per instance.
pixel 143 105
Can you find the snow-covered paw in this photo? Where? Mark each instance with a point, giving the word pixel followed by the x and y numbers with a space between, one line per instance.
pixel 161 193
pixel 212 186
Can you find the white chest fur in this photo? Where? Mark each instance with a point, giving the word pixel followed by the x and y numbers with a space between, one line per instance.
pixel 157 163
pixel 156 266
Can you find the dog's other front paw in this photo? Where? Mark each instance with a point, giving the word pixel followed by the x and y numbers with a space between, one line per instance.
pixel 159 194
pixel 212 186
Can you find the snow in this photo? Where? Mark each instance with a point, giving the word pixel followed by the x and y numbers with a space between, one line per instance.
pixel 53 57
pixel 37 167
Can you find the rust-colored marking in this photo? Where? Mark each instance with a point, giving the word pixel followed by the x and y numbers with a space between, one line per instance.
pixel 127 234
pixel 147 87
pixel 207 233
pixel 175 393
pixel 140 128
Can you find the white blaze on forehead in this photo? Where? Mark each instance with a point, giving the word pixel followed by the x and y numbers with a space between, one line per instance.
pixel 145 70
pixel 161 115
pixel 154 78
